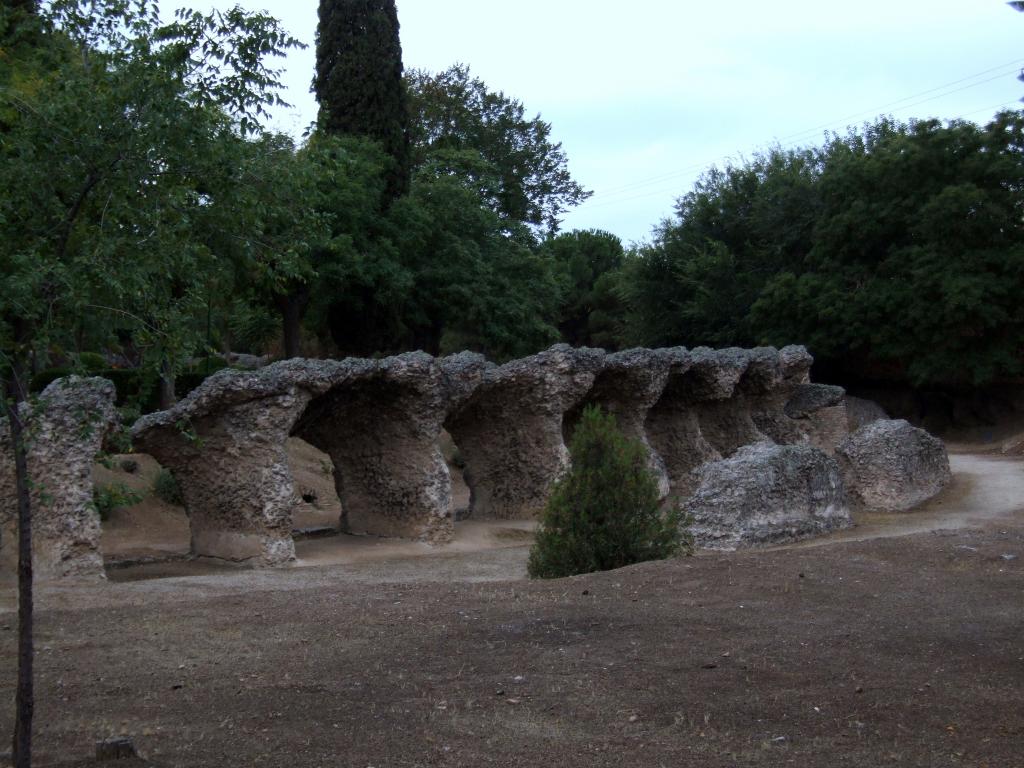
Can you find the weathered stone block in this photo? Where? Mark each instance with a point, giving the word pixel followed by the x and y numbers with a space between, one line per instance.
pixel 891 466
pixel 767 494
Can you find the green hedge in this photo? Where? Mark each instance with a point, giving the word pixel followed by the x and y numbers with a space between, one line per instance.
pixel 133 385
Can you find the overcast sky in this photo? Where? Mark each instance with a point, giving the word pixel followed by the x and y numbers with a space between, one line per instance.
pixel 646 94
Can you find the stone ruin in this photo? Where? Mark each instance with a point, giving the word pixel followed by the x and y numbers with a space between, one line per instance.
pixel 66 428
pixel 707 417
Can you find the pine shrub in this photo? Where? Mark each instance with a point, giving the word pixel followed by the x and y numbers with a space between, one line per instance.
pixel 605 512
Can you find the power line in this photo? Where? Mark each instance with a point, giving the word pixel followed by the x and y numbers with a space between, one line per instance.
pixel 1002 73
pixel 606 203
pixel 665 177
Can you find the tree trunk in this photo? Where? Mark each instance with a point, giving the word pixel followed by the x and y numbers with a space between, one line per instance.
pixel 14 396
pixel 292 307
pixel 166 384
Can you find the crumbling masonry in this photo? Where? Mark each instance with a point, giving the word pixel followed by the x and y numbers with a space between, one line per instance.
pixel 380 421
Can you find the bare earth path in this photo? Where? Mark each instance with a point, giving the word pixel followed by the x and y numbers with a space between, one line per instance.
pixel 900 643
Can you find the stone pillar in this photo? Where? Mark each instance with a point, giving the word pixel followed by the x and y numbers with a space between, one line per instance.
pixel 225 445
pixel 510 429
pixel 382 431
pixel 726 418
pixel 673 424
pixel 66 429
pixel 819 413
pixel 768 409
pixel 629 385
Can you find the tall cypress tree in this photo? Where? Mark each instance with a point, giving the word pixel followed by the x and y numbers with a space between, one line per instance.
pixel 358 79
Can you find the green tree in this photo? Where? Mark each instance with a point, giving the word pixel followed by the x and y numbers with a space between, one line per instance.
pixel 587 263
pixel 477 281
pixel 108 201
pixel 894 250
pixel 457 121
pixel 358 80
pixel 303 213
pixel 604 513
pixel 917 255
pixel 695 284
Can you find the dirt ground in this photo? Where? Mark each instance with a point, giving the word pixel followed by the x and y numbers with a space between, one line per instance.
pixel 898 643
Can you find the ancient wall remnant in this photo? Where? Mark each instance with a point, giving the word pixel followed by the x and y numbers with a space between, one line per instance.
pixel 65 430
pixel 861 412
pixel 891 466
pixel 225 445
pixel 380 421
pixel 510 429
pixel 628 385
pixel 711 406
pixel 381 431
pixel 766 494
pixel 769 408
pixel 819 413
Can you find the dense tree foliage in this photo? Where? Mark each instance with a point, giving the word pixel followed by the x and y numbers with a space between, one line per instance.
pixel 112 204
pixel 478 280
pixel 587 263
pixel 896 249
pixel 304 217
pixel 462 128
pixel 359 82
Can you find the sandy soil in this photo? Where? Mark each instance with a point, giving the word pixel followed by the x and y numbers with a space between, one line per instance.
pixel 150 529
pixel 899 643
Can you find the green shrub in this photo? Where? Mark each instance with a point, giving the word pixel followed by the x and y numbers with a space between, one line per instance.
pixel 92 363
pixel 167 488
pixel 126 382
pixel 604 513
pixel 107 498
pixel 196 374
pixel 47 376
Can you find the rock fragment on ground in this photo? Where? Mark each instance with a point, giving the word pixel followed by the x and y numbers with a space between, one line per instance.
pixel 892 466
pixel 767 494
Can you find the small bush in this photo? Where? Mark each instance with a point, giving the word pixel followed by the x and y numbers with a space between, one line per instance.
pixel 47 376
pixel 107 498
pixel 604 513
pixel 92 363
pixel 167 488
pixel 196 374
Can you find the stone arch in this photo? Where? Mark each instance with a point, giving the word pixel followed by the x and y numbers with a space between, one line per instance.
pixel 673 424
pixel 381 431
pixel 510 429
pixel 725 419
pixel 628 386
pixel 225 444
pixel 769 408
